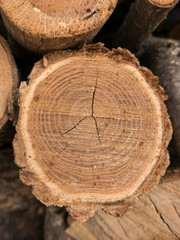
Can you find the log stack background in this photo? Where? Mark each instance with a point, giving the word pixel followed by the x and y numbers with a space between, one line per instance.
pixel 155 215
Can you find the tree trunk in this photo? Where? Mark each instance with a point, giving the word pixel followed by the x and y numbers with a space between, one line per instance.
pixel 8 85
pixel 163 58
pixel 46 25
pixel 55 224
pixel 92 131
pixel 21 215
pixel 142 19
pixel 154 216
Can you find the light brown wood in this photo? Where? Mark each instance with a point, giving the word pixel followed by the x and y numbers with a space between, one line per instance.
pixel 92 131
pixel 154 216
pixel 142 19
pixel 41 26
pixel 8 85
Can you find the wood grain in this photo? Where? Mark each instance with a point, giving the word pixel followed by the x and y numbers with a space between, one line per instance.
pixel 42 26
pixel 91 130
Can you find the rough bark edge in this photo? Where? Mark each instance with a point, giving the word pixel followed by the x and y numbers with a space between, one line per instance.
pixel 78 32
pixel 15 78
pixel 79 210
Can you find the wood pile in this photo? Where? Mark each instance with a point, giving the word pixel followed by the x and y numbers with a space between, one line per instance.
pixel 89 101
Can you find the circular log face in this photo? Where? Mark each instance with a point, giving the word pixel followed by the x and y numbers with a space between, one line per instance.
pixel 8 80
pixel 91 129
pixel 64 8
pixel 42 26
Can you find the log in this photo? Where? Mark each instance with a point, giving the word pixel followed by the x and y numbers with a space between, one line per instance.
pixel 162 56
pixel 92 131
pixel 21 215
pixel 55 224
pixel 142 19
pixel 42 26
pixel 154 216
pixel 8 85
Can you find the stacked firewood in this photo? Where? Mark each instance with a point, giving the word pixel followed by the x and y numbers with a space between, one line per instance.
pixel 89 101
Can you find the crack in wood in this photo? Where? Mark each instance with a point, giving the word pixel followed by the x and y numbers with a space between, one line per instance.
pixel 20 5
pixel 167 225
pixel 74 126
pixel 91 14
pixel 176 210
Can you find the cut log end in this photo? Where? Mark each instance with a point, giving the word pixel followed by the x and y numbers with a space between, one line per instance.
pixel 8 84
pixel 92 131
pixel 164 3
pixel 42 26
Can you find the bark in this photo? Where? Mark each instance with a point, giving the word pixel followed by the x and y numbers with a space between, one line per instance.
pixel 42 26
pixel 142 19
pixel 154 216
pixel 163 58
pixel 92 136
pixel 9 82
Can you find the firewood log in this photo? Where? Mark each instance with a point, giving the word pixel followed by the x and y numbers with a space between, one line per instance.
pixel 45 25
pixel 92 131
pixel 154 216
pixel 55 224
pixel 8 85
pixel 142 19
pixel 162 56
pixel 21 215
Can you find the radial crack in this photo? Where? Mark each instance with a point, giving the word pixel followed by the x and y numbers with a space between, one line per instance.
pixel 155 207
pixel 97 129
pixel 74 126
pixel 93 98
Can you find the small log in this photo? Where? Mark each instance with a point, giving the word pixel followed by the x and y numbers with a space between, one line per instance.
pixel 92 131
pixel 46 25
pixel 21 215
pixel 8 85
pixel 142 19
pixel 162 56
pixel 55 224
pixel 154 216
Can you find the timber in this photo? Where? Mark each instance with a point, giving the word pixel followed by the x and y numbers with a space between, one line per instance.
pixel 8 85
pixel 42 26
pixel 96 118
pixel 21 214
pixel 142 19
pixel 162 56
pixel 154 216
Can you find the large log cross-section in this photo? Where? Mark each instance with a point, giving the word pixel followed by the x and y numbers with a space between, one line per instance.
pixel 92 131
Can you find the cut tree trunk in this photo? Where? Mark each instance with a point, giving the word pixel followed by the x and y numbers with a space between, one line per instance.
pixel 154 216
pixel 45 25
pixel 21 215
pixel 8 85
pixel 92 131
pixel 142 19
pixel 55 224
pixel 162 56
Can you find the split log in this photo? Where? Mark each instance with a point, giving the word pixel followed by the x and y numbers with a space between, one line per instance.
pixel 92 131
pixel 8 85
pixel 142 19
pixel 46 25
pixel 154 216
pixel 163 58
